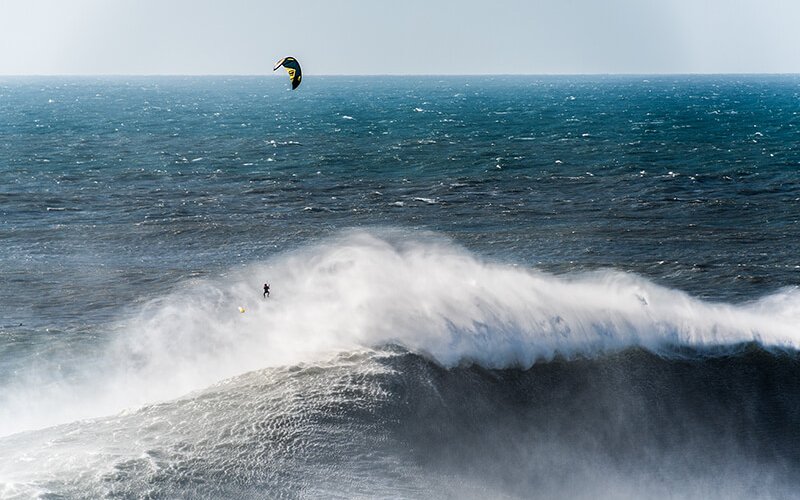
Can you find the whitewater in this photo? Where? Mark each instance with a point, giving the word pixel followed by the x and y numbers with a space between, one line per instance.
pixel 364 291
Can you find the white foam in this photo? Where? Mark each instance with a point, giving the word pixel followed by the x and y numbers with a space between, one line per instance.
pixel 364 290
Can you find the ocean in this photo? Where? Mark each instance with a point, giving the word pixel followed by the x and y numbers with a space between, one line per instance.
pixel 481 287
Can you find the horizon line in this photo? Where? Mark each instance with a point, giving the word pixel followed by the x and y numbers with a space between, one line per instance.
pixel 427 75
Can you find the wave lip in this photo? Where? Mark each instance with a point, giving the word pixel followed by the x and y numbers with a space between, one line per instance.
pixel 434 297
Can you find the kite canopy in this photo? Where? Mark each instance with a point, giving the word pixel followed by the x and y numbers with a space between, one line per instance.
pixel 293 68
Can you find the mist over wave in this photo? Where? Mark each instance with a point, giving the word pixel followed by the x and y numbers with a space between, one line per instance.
pixel 372 288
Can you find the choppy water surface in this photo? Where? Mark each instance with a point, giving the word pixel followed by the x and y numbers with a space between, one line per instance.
pixel 485 287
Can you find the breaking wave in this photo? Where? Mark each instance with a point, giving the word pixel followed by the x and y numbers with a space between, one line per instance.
pixel 370 289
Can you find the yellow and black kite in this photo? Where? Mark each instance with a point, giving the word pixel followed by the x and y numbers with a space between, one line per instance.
pixel 293 68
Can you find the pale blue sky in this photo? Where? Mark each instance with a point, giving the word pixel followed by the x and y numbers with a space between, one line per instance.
pixel 399 37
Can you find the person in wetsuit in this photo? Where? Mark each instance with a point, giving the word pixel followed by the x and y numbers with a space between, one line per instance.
pixel 266 290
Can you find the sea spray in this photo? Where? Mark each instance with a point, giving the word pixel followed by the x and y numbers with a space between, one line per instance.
pixel 372 288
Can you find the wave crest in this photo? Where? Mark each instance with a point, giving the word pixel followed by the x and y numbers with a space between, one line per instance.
pixel 366 289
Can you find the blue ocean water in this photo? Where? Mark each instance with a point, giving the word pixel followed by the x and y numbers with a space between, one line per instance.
pixel 515 258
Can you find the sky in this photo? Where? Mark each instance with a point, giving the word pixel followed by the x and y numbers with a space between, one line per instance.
pixel 471 37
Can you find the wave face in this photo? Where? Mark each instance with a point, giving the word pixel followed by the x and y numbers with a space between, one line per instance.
pixel 391 423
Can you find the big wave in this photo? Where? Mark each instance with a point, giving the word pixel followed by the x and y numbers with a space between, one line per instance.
pixel 372 288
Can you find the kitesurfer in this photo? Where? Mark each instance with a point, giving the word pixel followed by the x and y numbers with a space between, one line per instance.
pixel 266 290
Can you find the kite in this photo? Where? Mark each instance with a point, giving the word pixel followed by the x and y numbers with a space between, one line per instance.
pixel 293 68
